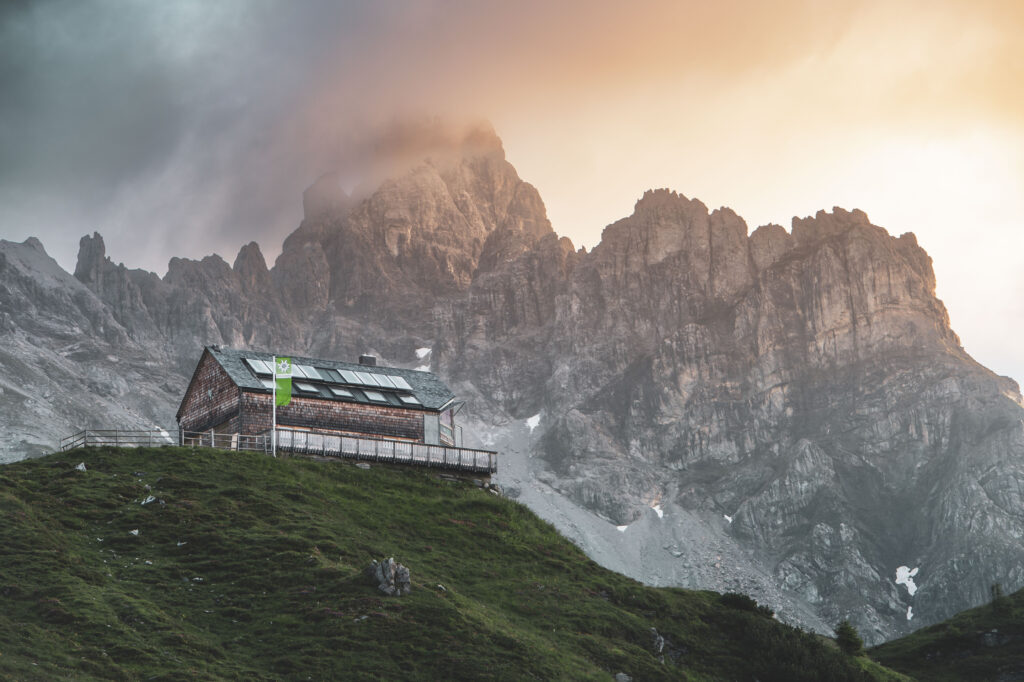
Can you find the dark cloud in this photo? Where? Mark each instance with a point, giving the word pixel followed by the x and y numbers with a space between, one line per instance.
pixel 160 124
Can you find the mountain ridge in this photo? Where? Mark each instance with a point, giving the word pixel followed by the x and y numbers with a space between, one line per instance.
pixel 805 384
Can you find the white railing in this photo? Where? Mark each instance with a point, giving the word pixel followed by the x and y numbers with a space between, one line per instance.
pixel 383 450
pixel 299 442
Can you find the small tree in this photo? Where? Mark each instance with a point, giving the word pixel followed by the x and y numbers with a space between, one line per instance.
pixel 848 639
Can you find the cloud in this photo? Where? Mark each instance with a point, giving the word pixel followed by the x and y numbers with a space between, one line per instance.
pixel 188 127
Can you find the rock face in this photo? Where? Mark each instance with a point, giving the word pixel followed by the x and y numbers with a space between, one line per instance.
pixel 786 414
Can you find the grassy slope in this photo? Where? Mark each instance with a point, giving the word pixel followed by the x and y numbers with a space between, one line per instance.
pixel 980 644
pixel 256 573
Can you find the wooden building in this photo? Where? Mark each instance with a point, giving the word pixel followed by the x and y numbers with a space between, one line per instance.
pixel 231 393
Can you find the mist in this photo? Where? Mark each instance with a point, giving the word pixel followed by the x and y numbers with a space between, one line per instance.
pixel 189 128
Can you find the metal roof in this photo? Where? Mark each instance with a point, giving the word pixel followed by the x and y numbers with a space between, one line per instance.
pixel 431 392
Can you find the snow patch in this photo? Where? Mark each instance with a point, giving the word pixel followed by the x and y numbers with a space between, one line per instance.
pixel 133 532
pixel 148 500
pixel 657 510
pixel 910 613
pixel 80 467
pixel 621 529
pixel 905 576
pixel 422 353
pixel 727 518
pixel 423 368
pixel 533 422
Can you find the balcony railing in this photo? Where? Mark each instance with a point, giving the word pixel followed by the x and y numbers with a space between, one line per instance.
pixel 299 442
pixel 383 450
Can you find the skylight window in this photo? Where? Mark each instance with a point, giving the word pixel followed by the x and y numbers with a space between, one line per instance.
pixel 349 377
pixel 258 366
pixel 401 383
pixel 366 379
pixel 376 396
pixel 329 375
pixel 384 380
pixel 268 383
pixel 409 400
pixel 309 372
pixel 307 388
pixel 341 392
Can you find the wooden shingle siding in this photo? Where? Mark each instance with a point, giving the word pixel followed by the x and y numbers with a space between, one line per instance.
pixel 212 398
pixel 381 421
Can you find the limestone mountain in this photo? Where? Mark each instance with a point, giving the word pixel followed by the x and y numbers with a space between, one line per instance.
pixel 786 414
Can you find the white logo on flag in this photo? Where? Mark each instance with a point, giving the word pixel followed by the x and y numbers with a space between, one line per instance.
pixel 284 367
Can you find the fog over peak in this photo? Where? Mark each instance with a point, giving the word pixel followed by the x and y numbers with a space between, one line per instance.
pixel 183 128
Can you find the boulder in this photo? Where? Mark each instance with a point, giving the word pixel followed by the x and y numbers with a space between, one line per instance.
pixel 391 577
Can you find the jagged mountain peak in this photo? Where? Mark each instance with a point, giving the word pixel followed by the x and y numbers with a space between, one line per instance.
pixel 805 385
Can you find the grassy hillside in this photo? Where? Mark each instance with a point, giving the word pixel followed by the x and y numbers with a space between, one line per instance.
pixel 986 643
pixel 250 567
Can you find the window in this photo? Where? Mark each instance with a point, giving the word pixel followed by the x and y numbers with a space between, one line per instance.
pixel 268 383
pixel 409 400
pixel 259 366
pixel 401 383
pixel 366 379
pixel 376 396
pixel 349 377
pixel 330 375
pixel 384 380
pixel 308 372
pixel 306 388
pixel 341 392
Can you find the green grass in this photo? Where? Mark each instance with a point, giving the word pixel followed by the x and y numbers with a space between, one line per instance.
pixel 247 567
pixel 985 643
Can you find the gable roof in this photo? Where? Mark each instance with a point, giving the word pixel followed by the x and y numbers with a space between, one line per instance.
pixel 430 392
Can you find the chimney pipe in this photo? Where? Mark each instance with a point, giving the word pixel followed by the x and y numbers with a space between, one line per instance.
pixel 368 360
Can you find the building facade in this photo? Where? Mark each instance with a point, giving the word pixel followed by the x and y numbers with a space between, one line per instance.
pixel 231 392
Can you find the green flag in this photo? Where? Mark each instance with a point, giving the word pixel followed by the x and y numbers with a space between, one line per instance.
pixel 283 377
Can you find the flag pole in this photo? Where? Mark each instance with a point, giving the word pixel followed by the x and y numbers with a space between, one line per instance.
pixel 273 412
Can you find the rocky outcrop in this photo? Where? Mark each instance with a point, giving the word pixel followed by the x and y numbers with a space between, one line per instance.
pixel 784 413
pixel 390 577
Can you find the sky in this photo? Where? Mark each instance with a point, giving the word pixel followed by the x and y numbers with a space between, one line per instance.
pixel 182 128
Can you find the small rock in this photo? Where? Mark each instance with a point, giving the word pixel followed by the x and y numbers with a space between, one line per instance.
pixel 362 465
pixel 133 532
pixel 623 677
pixel 148 500
pixel 442 587
pixel 80 467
